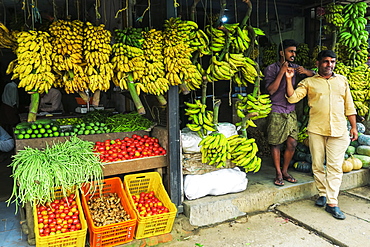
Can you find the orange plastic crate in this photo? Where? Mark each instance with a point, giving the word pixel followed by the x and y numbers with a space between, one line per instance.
pixel 72 239
pixel 156 224
pixel 112 234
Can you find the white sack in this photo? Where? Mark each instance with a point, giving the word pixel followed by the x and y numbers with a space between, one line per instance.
pixel 215 183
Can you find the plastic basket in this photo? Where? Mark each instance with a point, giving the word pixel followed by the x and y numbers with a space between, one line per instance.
pixel 80 101
pixel 156 224
pixel 73 239
pixel 112 234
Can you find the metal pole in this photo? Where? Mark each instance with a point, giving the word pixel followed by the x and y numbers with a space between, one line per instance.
pixel 173 128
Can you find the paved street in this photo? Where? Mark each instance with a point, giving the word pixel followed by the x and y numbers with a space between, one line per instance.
pixel 299 223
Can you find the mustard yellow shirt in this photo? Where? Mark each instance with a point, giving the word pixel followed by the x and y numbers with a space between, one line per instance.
pixel 330 101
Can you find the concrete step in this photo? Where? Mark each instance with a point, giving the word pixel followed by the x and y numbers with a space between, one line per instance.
pixel 261 194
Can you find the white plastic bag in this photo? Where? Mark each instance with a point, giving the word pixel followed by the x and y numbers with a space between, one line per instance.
pixel 191 139
pixel 228 129
pixel 215 183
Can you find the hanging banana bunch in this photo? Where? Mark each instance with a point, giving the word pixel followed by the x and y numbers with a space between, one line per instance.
pixel 7 38
pixel 97 51
pixel 303 55
pixel 219 40
pixel 358 80
pixel 153 80
pixel 128 56
pixel 33 63
pixel 177 52
pixel 269 55
pixel 66 39
pixel 130 36
pixel 250 108
pixel 243 153
pixel 333 14
pixel 215 150
pixel 353 34
pixel 201 119
pixel 199 40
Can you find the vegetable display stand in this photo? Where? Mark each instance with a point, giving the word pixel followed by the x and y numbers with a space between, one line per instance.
pixel 68 239
pixel 42 142
pixel 156 224
pixel 111 234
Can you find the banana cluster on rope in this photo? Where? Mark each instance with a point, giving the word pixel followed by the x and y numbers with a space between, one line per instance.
pixel 127 59
pixel 246 71
pixel 67 56
pixel 358 80
pixel 130 36
pixel 217 38
pixel 333 14
pixel 252 107
pixel 219 70
pixel 353 33
pixel 243 153
pixel 201 119
pixel 215 150
pixel 97 51
pixel 303 55
pixel 153 80
pixel 7 38
pixel 33 63
pixel 269 55
pixel 177 54
pixel 362 108
pixel 240 40
pixel 315 52
pixel 199 40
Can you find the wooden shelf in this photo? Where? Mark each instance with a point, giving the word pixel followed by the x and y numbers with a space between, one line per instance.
pixel 134 165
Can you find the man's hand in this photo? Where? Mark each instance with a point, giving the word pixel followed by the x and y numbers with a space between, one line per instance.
pixel 353 134
pixel 304 71
pixel 284 66
pixel 289 73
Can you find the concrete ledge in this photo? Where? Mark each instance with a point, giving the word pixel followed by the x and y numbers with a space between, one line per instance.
pixel 260 194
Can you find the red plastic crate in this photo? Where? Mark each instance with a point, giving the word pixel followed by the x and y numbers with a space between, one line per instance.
pixel 156 224
pixel 112 234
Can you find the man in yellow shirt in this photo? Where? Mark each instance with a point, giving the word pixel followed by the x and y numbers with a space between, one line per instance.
pixel 331 104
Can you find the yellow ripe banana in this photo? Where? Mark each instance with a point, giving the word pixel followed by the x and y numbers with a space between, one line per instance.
pixel 209 128
pixel 240 113
pixel 191 105
pixel 200 118
pixel 251 123
pixel 193 127
pixel 258 165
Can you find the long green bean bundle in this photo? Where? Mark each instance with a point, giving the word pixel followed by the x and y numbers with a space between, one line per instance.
pixel 67 165
pixel 128 122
